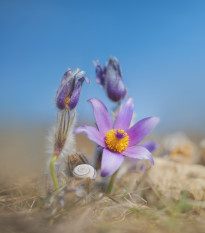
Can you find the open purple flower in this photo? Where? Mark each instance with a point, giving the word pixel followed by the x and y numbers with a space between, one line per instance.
pixel 69 90
pixel 118 140
pixel 110 78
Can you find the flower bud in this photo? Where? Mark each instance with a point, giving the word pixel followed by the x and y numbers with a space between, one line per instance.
pixel 110 78
pixel 69 90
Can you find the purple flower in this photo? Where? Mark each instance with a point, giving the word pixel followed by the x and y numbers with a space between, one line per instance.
pixel 118 140
pixel 110 78
pixel 69 90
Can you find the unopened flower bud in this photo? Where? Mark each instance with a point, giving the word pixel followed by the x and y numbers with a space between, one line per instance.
pixel 110 78
pixel 69 90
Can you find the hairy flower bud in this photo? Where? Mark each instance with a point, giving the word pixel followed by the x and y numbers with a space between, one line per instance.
pixel 69 90
pixel 110 78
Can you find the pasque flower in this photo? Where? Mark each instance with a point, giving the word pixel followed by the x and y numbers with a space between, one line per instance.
pixel 110 78
pixel 118 140
pixel 69 90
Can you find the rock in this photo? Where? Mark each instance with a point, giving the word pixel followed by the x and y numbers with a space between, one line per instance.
pixel 181 149
pixel 171 179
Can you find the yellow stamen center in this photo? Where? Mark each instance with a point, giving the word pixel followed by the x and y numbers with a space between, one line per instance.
pixel 117 140
pixel 67 101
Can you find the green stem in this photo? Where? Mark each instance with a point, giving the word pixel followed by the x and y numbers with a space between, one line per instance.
pixel 52 170
pixel 111 183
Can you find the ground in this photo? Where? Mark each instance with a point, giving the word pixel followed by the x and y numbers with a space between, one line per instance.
pixel 25 208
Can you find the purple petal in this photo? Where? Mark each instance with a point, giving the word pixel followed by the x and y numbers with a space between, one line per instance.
pixel 141 129
pixel 102 116
pixel 66 77
pixel 113 69
pixel 110 162
pixel 115 88
pixel 150 145
pixel 100 75
pixel 124 116
pixel 92 133
pixel 76 92
pixel 138 152
pixel 63 92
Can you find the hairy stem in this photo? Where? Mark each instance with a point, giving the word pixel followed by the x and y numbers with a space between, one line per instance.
pixel 52 170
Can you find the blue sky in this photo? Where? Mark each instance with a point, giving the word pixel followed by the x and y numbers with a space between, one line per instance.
pixel 160 45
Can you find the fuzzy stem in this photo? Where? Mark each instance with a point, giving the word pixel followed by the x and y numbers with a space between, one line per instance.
pixel 111 183
pixel 52 170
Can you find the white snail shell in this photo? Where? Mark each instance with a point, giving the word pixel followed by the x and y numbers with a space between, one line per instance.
pixel 84 171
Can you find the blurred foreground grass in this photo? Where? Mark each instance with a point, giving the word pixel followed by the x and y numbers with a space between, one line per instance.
pixel 22 210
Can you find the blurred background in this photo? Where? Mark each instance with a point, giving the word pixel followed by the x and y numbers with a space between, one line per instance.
pixel 160 45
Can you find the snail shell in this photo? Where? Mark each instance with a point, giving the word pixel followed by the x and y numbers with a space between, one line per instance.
pixel 74 160
pixel 84 171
